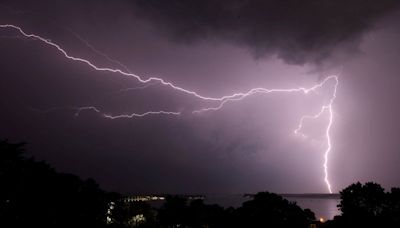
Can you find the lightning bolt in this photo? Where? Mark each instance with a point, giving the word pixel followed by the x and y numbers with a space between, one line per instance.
pixel 111 70
pixel 221 100
pixel 325 108
pixel 93 108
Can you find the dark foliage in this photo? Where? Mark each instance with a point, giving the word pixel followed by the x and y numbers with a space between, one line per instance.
pixel 32 194
pixel 178 212
pixel 271 210
pixel 264 210
pixel 368 205
pixel 132 214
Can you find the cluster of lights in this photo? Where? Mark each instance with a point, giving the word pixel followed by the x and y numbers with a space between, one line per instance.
pixel 109 219
pixel 143 198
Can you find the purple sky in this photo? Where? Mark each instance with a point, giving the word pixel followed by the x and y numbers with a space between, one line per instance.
pixel 214 48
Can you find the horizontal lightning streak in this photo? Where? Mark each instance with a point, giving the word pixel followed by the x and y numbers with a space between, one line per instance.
pixel 241 96
pixel 106 69
pixel 80 109
pixel 222 100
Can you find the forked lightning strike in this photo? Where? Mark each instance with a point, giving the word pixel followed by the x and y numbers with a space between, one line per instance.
pixel 221 100
pixel 325 108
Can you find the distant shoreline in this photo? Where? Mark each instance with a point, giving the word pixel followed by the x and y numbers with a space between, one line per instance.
pixel 151 197
pixel 312 195
pixel 306 195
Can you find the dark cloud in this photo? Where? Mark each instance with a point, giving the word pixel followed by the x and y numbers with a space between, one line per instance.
pixel 296 31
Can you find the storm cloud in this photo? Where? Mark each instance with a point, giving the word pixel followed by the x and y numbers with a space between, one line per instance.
pixel 298 32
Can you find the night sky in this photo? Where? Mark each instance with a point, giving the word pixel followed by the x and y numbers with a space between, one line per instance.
pixel 214 48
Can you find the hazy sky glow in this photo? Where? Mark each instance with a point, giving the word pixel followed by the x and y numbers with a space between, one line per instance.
pixel 221 48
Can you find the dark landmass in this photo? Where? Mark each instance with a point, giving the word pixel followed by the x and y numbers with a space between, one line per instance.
pixel 33 194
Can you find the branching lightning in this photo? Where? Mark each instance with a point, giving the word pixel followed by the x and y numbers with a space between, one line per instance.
pixel 221 101
pixel 98 52
pixel 325 108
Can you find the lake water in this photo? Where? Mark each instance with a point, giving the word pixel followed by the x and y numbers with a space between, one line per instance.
pixel 322 206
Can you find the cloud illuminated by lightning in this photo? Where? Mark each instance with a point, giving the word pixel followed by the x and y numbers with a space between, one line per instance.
pixel 221 100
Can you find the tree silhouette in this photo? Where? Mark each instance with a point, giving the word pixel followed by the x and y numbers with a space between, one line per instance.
pixel 173 212
pixel 392 210
pixel 202 215
pixel 359 200
pixel 271 210
pixel 368 205
pixel 34 194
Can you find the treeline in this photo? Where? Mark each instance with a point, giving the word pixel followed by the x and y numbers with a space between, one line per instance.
pixel 367 205
pixel 32 194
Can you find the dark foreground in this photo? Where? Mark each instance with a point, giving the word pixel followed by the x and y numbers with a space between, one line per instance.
pixel 33 194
